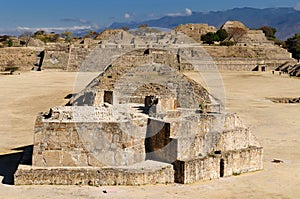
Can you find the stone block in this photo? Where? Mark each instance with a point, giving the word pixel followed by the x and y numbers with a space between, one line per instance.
pixel 79 158
pixel 67 159
pixel 52 158
pixel 38 160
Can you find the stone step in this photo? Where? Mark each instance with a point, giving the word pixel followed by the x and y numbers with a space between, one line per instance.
pixel 147 172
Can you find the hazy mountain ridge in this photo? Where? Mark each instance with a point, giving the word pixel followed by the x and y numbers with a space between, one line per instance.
pixel 285 20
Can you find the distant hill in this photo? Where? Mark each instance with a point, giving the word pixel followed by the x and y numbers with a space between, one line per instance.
pixel 285 20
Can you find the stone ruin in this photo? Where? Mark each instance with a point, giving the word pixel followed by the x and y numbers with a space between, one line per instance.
pixel 290 69
pixel 195 31
pixel 244 36
pixel 141 121
pixel 252 49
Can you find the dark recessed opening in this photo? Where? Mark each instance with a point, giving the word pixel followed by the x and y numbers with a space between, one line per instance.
pixel 108 97
pixel 218 152
pixel 222 168
pixel 256 68
pixel 150 101
pixel 147 52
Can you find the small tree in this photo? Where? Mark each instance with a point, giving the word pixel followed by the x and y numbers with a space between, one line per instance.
pixel 293 46
pixel 39 32
pixel 126 28
pixel 91 34
pixel 54 37
pixel 26 37
pixel 222 34
pixel 67 36
pixel 143 26
pixel 269 32
pixel 10 43
pixel 209 38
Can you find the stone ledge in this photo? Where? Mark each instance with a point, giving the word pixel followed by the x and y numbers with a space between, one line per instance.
pixel 148 172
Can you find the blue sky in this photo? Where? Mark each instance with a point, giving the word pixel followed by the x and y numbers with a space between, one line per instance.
pixel 58 14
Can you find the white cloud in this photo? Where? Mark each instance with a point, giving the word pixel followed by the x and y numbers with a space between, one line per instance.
pixel 75 20
pixel 176 14
pixel 297 6
pixel 187 12
pixel 127 16
pixel 54 29
pixel 80 22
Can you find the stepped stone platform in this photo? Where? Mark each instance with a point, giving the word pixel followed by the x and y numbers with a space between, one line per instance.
pixel 141 121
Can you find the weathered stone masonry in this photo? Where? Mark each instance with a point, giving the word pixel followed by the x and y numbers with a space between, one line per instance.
pixel 253 50
pixel 140 123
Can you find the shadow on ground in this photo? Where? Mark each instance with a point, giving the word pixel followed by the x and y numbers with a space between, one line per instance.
pixel 9 163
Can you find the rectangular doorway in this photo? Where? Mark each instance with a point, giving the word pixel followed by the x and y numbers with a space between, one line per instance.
pixel 108 97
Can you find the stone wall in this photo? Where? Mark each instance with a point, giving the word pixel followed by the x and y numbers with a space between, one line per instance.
pixel 65 57
pixel 235 163
pixel 22 57
pixel 60 57
pixel 239 64
pixel 58 144
pixel 245 58
pixel 90 143
pixel 77 56
pixel 56 57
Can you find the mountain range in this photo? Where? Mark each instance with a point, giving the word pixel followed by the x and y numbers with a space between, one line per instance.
pixel 285 20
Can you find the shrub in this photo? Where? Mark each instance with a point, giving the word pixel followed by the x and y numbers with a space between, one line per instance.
pixel 222 34
pixel 227 43
pixel 143 26
pixel 11 68
pixel 293 46
pixel 10 43
pixel 209 38
pixel 269 32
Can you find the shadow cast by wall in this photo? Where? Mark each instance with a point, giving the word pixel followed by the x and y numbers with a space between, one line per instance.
pixel 9 163
pixel 158 144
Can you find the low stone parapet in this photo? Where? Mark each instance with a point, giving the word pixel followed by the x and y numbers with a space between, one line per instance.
pixel 148 172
